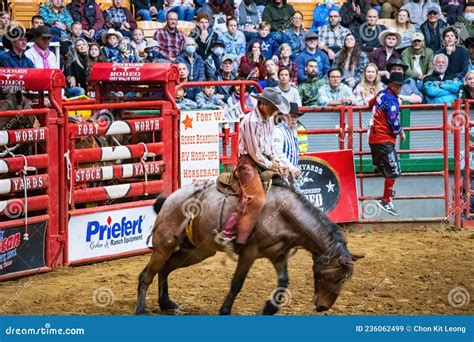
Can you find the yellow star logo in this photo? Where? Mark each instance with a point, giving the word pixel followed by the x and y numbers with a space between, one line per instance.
pixel 188 122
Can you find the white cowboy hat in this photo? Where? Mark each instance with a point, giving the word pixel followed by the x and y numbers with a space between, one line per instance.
pixel 274 98
pixel 390 31
pixel 110 32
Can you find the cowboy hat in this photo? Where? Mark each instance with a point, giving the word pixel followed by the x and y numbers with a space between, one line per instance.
pixel 42 31
pixel 12 34
pixel 274 98
pixel 397 61
pixel 396 78
pixel 110 32
pixel 388 32
pixel 294 109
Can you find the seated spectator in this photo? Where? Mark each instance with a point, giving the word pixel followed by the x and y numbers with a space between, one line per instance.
pixel 192 60
pixel 331 37
pixel 308 89
pixel 467 90
pixel 249 19
pixel 37 21
pixel 468 19
pixel 368 35
pixel 418 10
pixel 56 16
pixel 153 52
pixel 212 63
pixel 169 38
pixel 389 8
pixel 78 72
pixel 218 12
pixel 369 86
pixel 405 28
pixel 183 8
pixel 4 22
pixel 335 93
pixel 312 52
pixel 234 40
pixel 39 53
pixel 227 67
pixel 285 61
pixel 272 73
pixel 294 36
pixel 207 99
pixel 182 102
pixel 205 36
pixel 440 87
pixel 469 44
pixel 354 13
pixel 95 53
pixel 252 65
pixel 453 8
pixel 418 58
pixel 89 14
pixel 287 90
pixel 111 51
pixel 432 28
pixel 76 32
pixel 146 9
pixel 14 41
pixel 139 42
pixel 321 13
pixel 458 57
pixel 278 14
pixel 235 97
pixel 184 77
pixel 128 54
pixel 389 40
pixel 267 42
pixel 120 19
pixel 350 61
pixel 409 91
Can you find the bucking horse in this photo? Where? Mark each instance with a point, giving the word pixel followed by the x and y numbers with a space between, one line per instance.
pixel 187 221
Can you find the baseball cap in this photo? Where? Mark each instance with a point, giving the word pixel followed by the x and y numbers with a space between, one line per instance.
pixel 418 36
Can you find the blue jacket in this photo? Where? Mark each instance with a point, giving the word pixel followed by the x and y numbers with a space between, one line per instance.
pixel 441 91
pixel 111 53
pixel 10 59
pixel 196 68
pixel 295 41
pixel 269 46
pixel 235 46
pixel 320 16
pixel 320 57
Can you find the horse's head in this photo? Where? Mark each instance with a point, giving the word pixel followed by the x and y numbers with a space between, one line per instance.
pixel 330 273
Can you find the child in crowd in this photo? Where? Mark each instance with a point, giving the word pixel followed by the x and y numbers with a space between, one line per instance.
pixel 182 102
pixel 208 99
pixel 76 32
pixel 267 42
pixel 111 40
pixel 139 42
pixel 127 53
pixel 235 97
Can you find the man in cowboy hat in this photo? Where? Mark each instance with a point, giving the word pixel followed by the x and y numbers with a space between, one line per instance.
pixel 39 53
pixel 409 92
pixel 14 40
pixel 285 141
pixel 256 155
pixel 389 40
pixel 382 137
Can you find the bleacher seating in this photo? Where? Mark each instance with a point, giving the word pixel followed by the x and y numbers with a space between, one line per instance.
pixel 307 8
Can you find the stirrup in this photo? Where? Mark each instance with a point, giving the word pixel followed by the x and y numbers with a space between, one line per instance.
pixel 227 244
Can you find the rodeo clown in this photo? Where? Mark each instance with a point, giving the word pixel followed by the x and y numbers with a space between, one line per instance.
pixel 256 154
pixel 286 143
pixel 382 137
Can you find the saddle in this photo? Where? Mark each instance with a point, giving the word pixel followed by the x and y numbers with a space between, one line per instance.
pixel 228 183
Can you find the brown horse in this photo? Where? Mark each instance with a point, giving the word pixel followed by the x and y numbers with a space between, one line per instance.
pixel 288 220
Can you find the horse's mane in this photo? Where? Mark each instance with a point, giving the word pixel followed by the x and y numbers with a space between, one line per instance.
pixel 338 243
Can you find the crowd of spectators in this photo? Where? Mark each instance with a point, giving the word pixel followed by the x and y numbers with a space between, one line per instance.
pixel 344 58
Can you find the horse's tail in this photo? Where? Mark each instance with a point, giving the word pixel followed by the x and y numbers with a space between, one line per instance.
pixel 156 207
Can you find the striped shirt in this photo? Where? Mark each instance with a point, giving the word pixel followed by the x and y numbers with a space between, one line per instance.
pixel 286 145
pixel 256 138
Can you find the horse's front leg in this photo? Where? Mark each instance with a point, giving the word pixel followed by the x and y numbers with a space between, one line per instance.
pixel 247 257
pixel 280 295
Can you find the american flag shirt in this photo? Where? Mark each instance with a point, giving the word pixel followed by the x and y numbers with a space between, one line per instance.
pixel 256 138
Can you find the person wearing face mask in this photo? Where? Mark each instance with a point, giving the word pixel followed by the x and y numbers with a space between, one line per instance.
pixel 193 61
pixel 467 20
pixel 153 54
pixel 212 63
pixel 321 14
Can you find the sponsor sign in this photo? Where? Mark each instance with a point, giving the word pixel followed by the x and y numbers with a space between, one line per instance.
pixel 328 181
pixel 17 254
pixel 109 233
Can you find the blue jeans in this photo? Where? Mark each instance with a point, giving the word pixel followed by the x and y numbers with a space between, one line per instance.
pixel 184 13
pixel 144 14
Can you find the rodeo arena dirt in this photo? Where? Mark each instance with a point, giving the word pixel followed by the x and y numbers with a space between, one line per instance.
pixel 78 181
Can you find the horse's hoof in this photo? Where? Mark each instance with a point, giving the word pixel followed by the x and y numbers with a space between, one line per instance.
pixel 142 312
pixel 260 312
pixel 224 312
pixel 171 312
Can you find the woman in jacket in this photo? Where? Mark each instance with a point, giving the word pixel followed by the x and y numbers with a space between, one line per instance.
pixel 252 65
pixel 350 61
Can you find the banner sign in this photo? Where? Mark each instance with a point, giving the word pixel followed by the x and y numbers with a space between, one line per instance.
pixel 18 255
pixel 134 73
pixel 328 181
pixel 199 145
pixel 109 233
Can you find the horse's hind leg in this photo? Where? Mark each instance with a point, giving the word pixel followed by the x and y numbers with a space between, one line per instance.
pixel 179 259
pixel 280 296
